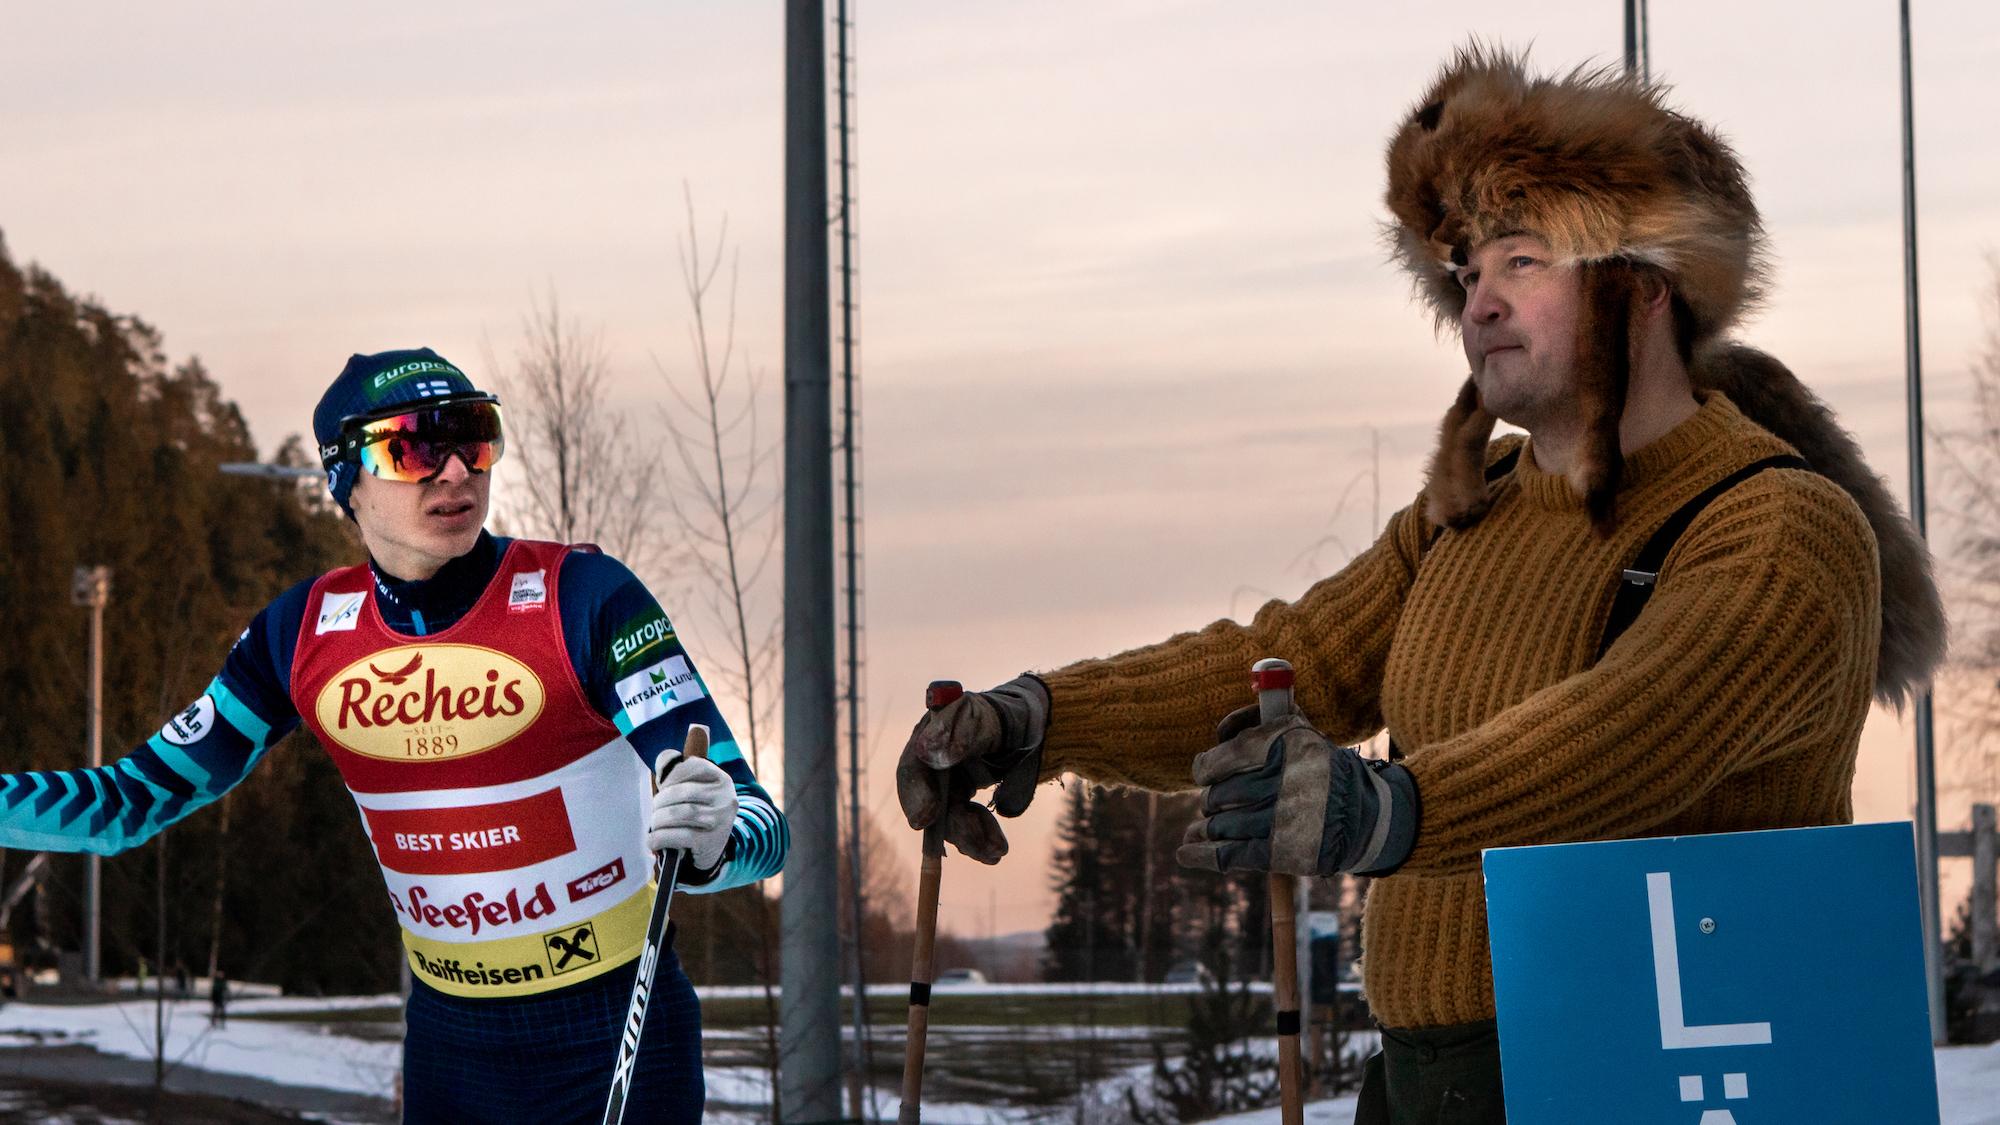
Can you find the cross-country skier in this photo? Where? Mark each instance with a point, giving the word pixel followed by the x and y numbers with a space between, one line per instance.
pixel 496 708
pixel 1592 248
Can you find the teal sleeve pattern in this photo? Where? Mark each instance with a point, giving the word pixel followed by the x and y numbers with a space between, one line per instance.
pixel 196 757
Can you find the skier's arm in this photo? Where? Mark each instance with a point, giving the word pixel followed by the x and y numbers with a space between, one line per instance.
pixel 636 672
pixel 1759 643
pixel 196 756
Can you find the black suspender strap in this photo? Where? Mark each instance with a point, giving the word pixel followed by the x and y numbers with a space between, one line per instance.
pixel 1636 583
pixel 1504 465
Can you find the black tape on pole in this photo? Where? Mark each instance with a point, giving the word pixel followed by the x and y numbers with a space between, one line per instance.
pixel 920 995
pixel 1288 1022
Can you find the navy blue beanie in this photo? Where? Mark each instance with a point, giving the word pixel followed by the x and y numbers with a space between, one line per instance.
pixel 370 383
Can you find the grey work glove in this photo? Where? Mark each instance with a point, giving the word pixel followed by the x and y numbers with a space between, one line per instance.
pixel 979 739
pixel 1280 796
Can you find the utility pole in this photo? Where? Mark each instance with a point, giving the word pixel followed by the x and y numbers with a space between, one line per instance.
pixel 1927 834
pixel 809 1040
pixel 91 586
pixel 1638 48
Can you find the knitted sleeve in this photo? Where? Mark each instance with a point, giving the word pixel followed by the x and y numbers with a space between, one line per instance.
pixel 1140 717
pixel 1759 642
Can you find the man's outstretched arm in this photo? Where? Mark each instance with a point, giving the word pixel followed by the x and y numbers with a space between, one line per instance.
pixel 192 760
pixel 1139 718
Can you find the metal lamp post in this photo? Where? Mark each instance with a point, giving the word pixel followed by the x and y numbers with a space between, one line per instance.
pixel 91 586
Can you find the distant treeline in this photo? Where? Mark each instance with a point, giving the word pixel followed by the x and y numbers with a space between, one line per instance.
pixel 108 456
pixel 1126 911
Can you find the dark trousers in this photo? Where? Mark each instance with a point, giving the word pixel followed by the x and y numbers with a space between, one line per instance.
pixel 1434 1076
pixel 547 1059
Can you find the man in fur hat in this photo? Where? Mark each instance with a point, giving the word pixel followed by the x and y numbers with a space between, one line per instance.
pixel 1592 248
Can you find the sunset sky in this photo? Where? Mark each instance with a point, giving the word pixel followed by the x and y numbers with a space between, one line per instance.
pixel 1128 334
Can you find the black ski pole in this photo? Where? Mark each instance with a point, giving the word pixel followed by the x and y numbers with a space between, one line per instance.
pixel 666 876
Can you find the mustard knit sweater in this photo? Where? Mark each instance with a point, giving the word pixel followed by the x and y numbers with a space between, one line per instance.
pixel 1734 702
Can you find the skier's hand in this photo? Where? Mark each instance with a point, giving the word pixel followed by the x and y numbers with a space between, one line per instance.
pixel 693 809
pixel 1280 796
pixel 979 739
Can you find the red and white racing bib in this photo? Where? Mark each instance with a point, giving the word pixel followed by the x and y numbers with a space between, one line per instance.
pixel 507 814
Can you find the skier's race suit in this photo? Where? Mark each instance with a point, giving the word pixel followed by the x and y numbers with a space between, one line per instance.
pixel 496 725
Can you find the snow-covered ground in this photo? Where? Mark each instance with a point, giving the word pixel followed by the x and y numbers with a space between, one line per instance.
pixel 296 1054
pixel 1968 1093
pixel 310 1054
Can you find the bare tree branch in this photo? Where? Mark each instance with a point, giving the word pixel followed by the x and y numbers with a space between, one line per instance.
pixel 1968 687
pixel 587 475
pixel 725 515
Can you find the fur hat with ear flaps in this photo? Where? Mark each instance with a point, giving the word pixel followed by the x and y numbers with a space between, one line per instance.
pixel 1596 165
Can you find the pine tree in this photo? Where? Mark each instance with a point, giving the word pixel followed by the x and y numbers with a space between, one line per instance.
pixel 108 456
pixel 1125 909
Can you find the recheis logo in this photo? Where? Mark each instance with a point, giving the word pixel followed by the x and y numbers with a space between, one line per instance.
pixel 429 702
pixel 190 725
pixel 654 691
pixel 395 678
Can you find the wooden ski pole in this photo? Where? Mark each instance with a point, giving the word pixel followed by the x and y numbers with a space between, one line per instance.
pixel 1273 681
pixel 940 693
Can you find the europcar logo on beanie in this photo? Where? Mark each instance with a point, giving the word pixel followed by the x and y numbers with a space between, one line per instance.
pixel 414 367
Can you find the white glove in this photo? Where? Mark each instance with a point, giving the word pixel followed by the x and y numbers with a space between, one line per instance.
pixel 693 810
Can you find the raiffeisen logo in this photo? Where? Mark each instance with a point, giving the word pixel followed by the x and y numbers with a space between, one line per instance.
pixel 423 703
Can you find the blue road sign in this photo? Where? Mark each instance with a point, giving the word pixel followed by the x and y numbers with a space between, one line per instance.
pixel 1751 978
